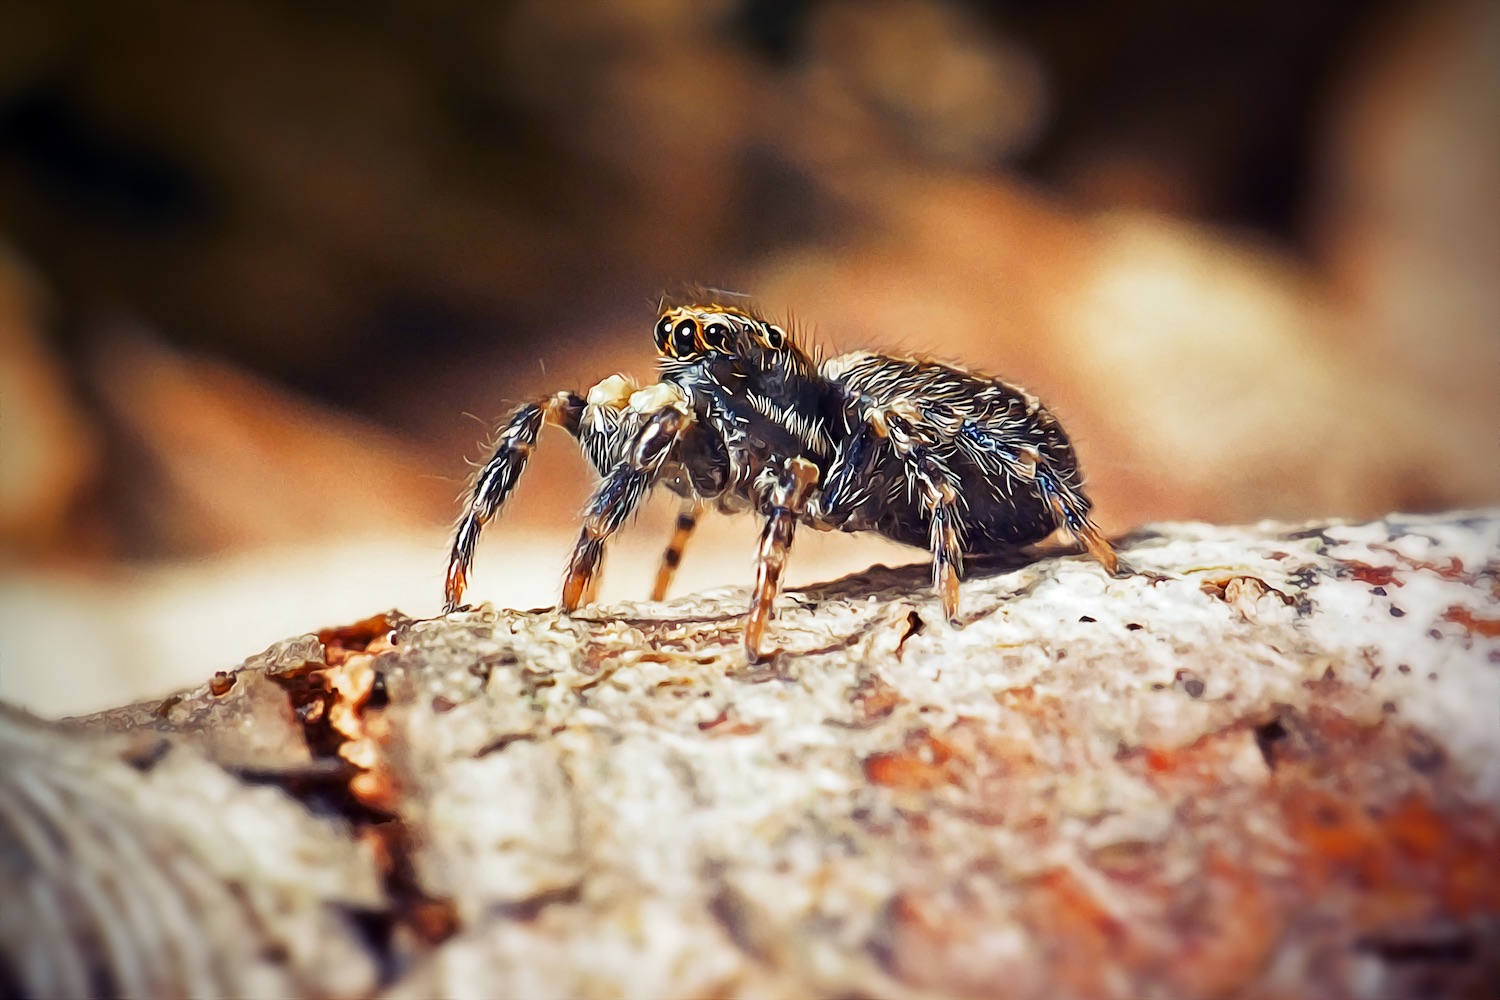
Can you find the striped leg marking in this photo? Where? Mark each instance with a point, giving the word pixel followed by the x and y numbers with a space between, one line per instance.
pixel 687 521
pixel 941 501
pixel 495 481
pixel 788 499
pixel 1072 514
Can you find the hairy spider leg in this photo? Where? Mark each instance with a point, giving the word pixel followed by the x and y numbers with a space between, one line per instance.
pixel 788 498
pixel 940 500
pixel 1070 513
pixel 941 503
pixel 619 496
pixel 498 477
pixel 682 530
pixel 595 422
pixel 938 491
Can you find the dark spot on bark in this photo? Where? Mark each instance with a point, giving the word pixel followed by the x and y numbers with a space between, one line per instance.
pixel 221 683
pixel 1402 668
pixel 501 742
pixel 1423 753
pixel 1086 618
pixel 1191 684
pixel 1389 707
pixel 914 625
pixel 729 909
pixel 147 755
pixel 1134 627
pixel 1267 736
pixel 1378 591
pixel 379 697
pixel 1397 612
pixel 160 712
pixel 441 705
pixel 531 907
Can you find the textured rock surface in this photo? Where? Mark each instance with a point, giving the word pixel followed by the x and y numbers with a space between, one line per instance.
pixel 1270 762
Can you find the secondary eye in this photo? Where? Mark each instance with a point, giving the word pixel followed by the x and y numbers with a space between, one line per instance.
pixel 682 338
pixel 663 334
pixel 775 339
pixel 716 336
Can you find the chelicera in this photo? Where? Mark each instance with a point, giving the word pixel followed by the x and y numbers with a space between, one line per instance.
pixel 745 419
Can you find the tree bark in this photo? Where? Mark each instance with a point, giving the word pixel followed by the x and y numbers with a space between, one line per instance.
pixel 1268 762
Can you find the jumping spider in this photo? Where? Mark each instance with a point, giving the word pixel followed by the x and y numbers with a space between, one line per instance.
pixel 745 419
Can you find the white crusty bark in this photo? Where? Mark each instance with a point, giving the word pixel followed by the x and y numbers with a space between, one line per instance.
pixel 1269 762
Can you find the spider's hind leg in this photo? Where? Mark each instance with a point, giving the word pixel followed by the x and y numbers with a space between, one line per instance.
pixel 927 476
pixel 1071 513
pixel 941 502
pixel 682 530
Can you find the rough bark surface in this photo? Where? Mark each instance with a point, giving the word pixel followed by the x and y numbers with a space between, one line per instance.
pixel 1268 763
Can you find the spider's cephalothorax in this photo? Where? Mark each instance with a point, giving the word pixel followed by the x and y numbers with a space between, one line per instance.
pixel 744 419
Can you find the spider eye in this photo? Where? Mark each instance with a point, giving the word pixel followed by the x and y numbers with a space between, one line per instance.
pixel 775 339
pixel 716 337
pixel 663 334
pixel 682 338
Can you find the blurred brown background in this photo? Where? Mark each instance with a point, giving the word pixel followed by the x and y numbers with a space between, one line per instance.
pixel 258 260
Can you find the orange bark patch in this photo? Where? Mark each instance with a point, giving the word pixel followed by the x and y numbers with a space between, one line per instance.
pixel 876 700
pixel 1232 931
pixel 1375 576
pixel 924 762
pixel 1489 628
pixel 339 643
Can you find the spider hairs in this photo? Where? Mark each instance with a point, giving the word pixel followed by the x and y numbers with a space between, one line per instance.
pixel 744 418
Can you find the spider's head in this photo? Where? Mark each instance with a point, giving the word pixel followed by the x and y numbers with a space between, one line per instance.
pixel 690 333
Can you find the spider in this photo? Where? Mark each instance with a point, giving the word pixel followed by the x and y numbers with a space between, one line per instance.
pixel 744 418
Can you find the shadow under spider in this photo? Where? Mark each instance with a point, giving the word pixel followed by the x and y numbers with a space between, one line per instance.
pixel 913 577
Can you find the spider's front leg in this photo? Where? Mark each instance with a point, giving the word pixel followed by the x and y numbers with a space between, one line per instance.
pixel 664 416
pixel 788 498
pixel 594 421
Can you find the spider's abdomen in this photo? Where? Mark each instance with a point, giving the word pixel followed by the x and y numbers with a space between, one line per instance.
pixel 1009 455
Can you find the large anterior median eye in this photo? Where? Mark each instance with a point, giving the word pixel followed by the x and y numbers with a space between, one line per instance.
pixel 663 334
pixel 683 339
